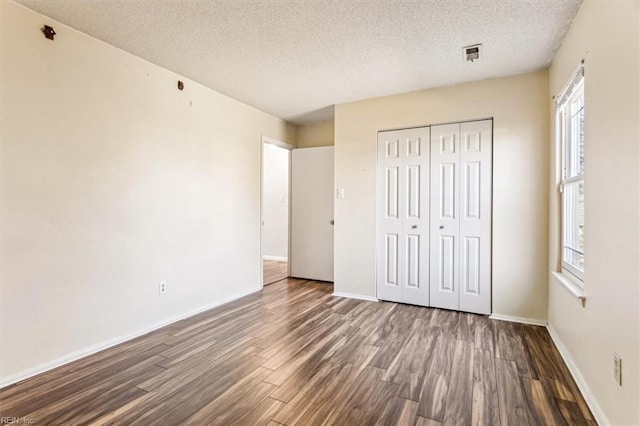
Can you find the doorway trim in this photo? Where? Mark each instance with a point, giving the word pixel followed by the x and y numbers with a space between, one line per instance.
pixel 271 141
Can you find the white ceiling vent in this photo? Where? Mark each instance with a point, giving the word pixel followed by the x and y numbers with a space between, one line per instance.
pixel 472 53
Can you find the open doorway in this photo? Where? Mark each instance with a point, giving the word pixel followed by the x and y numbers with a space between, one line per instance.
pixel 276 166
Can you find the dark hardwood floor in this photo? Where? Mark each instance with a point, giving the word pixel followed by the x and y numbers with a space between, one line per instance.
pixel 294 354
pixel 274 271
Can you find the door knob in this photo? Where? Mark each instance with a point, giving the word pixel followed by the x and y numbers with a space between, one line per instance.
pixel 332 222
pixel 414 226
pixel 441 226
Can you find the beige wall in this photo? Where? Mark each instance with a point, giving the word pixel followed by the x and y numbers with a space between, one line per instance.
pixel 113 180
pixel 520 108
pixel 317 134
pixel 605 35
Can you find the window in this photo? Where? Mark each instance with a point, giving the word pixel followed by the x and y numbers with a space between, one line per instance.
pixel 570 119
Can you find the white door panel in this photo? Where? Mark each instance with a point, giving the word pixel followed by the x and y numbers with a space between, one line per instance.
pixel 415 143
pixel 475 221
pixel 311 254
pixel 390 218
pixel 461 216
pixel 403 256
pixel 391 256
pixel 445 183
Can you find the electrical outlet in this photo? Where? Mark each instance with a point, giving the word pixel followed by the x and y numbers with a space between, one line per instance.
pixel 162 288
pixel 617 368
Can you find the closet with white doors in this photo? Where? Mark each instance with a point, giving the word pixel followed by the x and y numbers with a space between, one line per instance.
pixel 434 216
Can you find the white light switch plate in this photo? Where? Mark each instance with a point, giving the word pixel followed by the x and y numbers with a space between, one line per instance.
pixel 617 368
pixel 340 193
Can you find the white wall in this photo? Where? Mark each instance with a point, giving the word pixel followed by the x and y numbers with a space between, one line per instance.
pixel 275 202
pixel 606 36
pixel 520 108
pixel 113 180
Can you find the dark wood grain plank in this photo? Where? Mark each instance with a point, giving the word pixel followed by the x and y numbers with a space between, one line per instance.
pixel 371 391
pixel 539 409
pixel 274 271
pixel 483 334
pixel 181 399
pixel 510 346
pixel 460 389
pixel 466 330
pixel 423 421
pixel 511 400
pixel 396 328
pixel 485 407
pixel 230 406
pixel 433 396
pixel 408 369
pixel 398 411
pixel 569 413
pixel 320 395
pixel 446 322
pixel 262 414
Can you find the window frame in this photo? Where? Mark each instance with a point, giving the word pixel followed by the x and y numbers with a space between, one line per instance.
pixel 570 173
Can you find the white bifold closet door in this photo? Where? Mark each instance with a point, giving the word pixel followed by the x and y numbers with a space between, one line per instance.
pixel 460 231
pixel 403 216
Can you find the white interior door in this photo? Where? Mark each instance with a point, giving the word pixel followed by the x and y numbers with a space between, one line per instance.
pixel 311 254
pixel 475 216
pixel 403 216
pixel 461 216
pixel 445 226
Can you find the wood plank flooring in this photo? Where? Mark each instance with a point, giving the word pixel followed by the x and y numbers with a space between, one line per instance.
pixel 274 271
pixel 294 354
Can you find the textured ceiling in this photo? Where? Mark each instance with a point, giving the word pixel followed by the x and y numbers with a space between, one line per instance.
pixel 295 59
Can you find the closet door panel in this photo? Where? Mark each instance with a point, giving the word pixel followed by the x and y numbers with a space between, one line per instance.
pixel 445 209
pixel 415 143
pixel 475 220
pixel 390 244
pixel 403 216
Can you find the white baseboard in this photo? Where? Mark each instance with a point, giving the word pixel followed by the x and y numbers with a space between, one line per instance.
pixel 521 320
pixel 597 412
pixel 355 296
pixel 74 356
pixel 279 258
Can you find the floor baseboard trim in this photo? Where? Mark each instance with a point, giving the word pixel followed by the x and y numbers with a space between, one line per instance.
pixel 74 356
pixel 355 296
pixel 590 399
pixel 278 258
pixel 521 320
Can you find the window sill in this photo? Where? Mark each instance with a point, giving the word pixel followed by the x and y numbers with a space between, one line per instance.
pixel 570 285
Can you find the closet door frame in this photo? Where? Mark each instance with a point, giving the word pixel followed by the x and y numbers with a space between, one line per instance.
pixel 469 280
